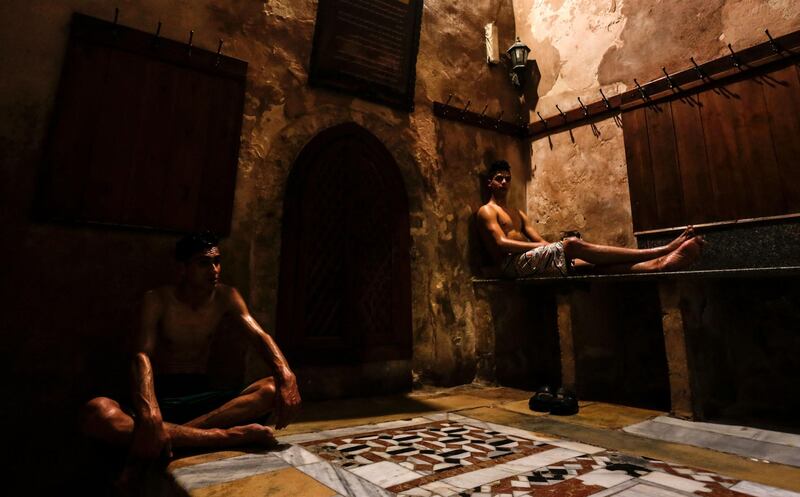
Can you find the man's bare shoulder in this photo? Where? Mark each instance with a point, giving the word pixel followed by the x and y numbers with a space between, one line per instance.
pixel 158 296
pixel 488 211
pixel 226 293
pixel 228 297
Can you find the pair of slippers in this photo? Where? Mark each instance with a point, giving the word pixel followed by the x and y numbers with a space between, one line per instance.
pixel 561 403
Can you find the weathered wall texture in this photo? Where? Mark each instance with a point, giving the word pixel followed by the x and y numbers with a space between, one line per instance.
pixel 75 288
pixel 579 181
pixel 71 293
pixel 581 46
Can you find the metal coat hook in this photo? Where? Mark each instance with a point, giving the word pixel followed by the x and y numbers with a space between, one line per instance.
pixel 564 116
pixel 734 58
pixel 585 109
pixel 483 112
pixel 447 102
pixel 544 121
pixel 158 33
pixel 219 52
pixel 669 78
pixel 605 100
pixel 774 44
pixel 116 18
pixel 497 121
pixel 641 90
pixel 464 110
pixel 191 37
pixel 697 69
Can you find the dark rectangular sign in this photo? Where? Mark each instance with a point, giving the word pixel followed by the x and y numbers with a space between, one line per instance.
pixel 368 48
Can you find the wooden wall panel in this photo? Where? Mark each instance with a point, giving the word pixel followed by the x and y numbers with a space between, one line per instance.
pixel 145 133
pixel 722 153
pixel 728 180
pixel 757 152
pixel 226 105
pixel 73 129
pixel 782 95
pixel 108 169
pixel 697 191
pixel 664 161
pixel 184 177
pixel 152 156
pixel 741 152
pixel 640 170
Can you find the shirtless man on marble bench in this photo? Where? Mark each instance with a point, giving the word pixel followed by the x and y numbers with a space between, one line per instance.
pixel 171 403
pixel 519 250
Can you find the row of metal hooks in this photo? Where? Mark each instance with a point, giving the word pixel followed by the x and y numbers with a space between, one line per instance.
pixel 483 119
pixel 157 36
pixel 735 61
pixel 584 108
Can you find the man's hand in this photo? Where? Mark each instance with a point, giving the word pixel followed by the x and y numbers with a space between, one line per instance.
pixel 287 397
pixel 150 438
pixel 287 400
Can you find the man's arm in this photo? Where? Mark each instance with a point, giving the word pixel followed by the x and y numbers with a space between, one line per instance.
pixel 488 222
pixel 287 401
pixel 531 233
pixel 150 437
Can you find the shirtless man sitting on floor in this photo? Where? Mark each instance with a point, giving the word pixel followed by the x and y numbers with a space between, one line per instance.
pixel 172 404
pixel 519 250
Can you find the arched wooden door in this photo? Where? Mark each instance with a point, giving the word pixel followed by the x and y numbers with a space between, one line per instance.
pixel 345 292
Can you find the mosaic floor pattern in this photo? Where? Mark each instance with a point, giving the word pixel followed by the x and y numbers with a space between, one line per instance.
pixel 451 455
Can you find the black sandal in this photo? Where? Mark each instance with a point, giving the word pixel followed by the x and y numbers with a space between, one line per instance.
pixel 542 399
pixel 564 404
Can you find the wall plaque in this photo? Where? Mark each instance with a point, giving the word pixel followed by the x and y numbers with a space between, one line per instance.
pixel 368 48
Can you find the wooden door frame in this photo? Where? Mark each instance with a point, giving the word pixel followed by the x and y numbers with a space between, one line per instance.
pixel 396 196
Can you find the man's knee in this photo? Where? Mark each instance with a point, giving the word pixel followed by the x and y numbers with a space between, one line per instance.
pixel 99 415
pixel 263 391
pixel 572 245
pixel 100 407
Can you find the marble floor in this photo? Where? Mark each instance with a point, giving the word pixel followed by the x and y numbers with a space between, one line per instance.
pixel 448 454
pixel 764 445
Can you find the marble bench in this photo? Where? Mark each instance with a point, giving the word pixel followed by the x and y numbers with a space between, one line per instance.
pixel 681 298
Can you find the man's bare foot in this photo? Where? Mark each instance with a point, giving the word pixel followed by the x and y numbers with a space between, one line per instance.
pixel 681 258
pixel 687 234
pixel 252 434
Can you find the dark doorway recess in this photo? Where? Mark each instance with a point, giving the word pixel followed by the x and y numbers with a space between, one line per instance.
pixel 345 281
pixel 620 355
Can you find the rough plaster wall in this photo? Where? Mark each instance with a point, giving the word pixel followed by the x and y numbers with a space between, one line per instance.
pixel 439 161
pixel 580 181
pixel 71 324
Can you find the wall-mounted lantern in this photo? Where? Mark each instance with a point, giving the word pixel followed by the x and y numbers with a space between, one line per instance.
pixel 518 57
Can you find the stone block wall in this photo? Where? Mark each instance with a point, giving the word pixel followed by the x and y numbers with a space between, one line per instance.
pixel 579 177
pixel 71 293
pixel 579 181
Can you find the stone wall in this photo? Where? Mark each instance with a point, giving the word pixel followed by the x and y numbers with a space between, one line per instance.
pixel 71 293
pixel 579 179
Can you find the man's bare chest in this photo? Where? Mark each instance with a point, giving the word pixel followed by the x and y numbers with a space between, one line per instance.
pixel 182 325
pixel 508 221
